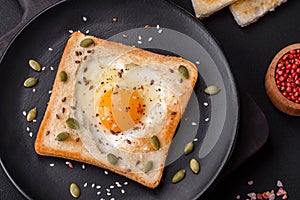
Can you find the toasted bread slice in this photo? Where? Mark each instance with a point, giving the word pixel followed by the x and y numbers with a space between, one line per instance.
pixel 74 107
pixel 204 8
pixel 246 12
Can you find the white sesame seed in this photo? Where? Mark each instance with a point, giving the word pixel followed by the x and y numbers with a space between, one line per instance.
pixel 43 68
pixel 87 31
pixel 105 172
pixel 133 45
pixel 30 134
pixel 50 49
pixel 83 166
pixel 24 113
pixel 196 139
pixel 206 119
pixel 93 185
pixel 122 191
pixel 160 31
pixel 205 104
pixel 50 91
pixel 112 198
pixel 108 194
pixel 84 18
pixel 34 120
pixel 51 164
pixel 98 193
pixel 149 39
pixel 98 186
pixel 33 90
pixel 157 26
pixel 140 37
pixel 112 187
pixel 51 68
pixel 27 128
pixel 70 31
pixel 67 162
pixel 126 183
pixel 78 31
pixel 102 199
pixel 197 62
pixel 85 184
pixel 108 190
pixel 194 123
pixel 139 42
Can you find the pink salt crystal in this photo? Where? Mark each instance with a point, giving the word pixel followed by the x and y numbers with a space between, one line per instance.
pixel 238 197
pixel 250 182
pixel 279 184
pixel 284 196
pixel 272 197
pixel 252 195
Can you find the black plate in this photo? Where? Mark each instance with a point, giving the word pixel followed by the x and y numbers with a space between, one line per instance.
pixel 214 126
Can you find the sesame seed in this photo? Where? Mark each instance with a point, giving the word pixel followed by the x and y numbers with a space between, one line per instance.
pixel 112 198
pixel 87 31
pixel 30 134
pixel 112 187
pixel 149 39
pixel 126 183
pixel 83 166
pixel 205 104
pixel 160 31
pixel 33 90
pixel 157 26
pixel 34 120
pixel 194 123
pixel 140 37
pixel 197 62
pixel 43 68
pixel 108 190
pixel 51 164
pixel 206 119
pixel 84 18
pixel 50 91
pixel 24 113
pixel 122 191
pixel 27 128
pixel 50 49
pixel 51 68
pixel 93 185
pixel 105 172
pixel 85 184
pixel 71 31
pixel 98 186
pixel 139 42
pixel 196 139
pixel 98 193
pixel 108 194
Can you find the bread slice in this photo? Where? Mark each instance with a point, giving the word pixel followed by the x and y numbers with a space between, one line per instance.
pixel 204 8
pixel 246 12
pixel 92 71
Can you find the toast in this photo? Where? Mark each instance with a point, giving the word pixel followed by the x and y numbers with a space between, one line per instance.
pixel 72 127
pixel 246 12
pixel 204 8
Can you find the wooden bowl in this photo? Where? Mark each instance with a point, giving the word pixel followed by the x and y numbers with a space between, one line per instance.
pixel 281 102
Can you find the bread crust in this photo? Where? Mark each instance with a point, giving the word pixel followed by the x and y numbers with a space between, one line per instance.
pixel 246 12
pixel 54 118
pixel 204 8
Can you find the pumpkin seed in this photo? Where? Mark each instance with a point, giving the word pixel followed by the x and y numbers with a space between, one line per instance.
pixel 188 148
pixel 148 166
pixel 31 115
pixel 178 176
pixel 74 190
pixel 86 42
pixel 112 159
pixel 63 76
pixel 212 89
pixel 62 136
pixel 30 82
pixel 72 123
pixel 155 142
pixel 194 165
pixel 183 71
pixel 35 65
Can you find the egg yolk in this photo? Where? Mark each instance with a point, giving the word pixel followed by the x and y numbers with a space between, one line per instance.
pixel 120 110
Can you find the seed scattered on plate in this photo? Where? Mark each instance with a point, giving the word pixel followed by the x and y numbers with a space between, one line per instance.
pixel 98 193
pixel 71 31
pixel 24 113
pixel 140 37
pixel 195 140
pixel 43 68
pixel 50 49
pixel 51 68
pixel 114 19
pixel 197 62
pixel 157 26
pixel 149 39
pixel 98 186
pixel 85 184
pixel 125 183
pixel 139 42
pixel 206 119
pixel 160 31
pixel 122 191
pixel 205 104
pixel 194 123
pixel 87 31
pixel 51 164
pixel 30 134
pixel 93 185
pixel 83 166
pixel 50 91
pixel 84 18
pixel 112 187
pixel 27 128
pixel 33 90
pixel 106 172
